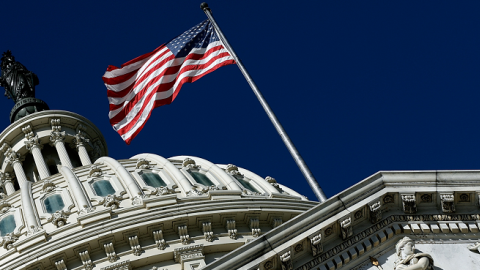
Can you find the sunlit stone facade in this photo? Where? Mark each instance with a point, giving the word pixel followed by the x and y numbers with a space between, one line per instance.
pixel 66 205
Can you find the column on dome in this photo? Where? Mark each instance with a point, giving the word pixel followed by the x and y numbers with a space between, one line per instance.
pixel 33 145
pixel 136 193
pixel 57 139
pixel 177 176
pixel 83 202
pixel 14 159
pixel 7 183
pixel 79 141
pixel 31 215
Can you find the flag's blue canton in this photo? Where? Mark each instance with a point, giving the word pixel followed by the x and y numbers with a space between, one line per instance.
pixel 198 36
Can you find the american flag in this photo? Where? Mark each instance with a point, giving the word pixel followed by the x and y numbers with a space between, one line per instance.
pixel 154 79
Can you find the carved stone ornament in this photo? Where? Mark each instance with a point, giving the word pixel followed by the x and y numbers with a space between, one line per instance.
pixel 475 247
pixel 11 156
pixel 407 259
pixel 268 265
pixel 232 170
pixel 274 183
pixel 125 265
pixel 34 229
pixel 388 199
pixel 286 260
pixel 426 198
pixel 375 212
pixel 448 205
pixel 409 204
pixel 142 164
pixel 464 197
pixel 32 142
pixel 79 139
pixel 189 163
pixel 8 240
pixel 316 244
pixel 197 191
pixel 164 190
pixel 4 206
pixel 59 218
pixel 86 210
pixel 111 201
pixel 346 228
pixel 56 136
pixel 358 215
pixel 188 253
pixel 328 231
pixel 48 186
pixel 95 171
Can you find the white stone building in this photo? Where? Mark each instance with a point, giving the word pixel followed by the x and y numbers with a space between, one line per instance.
pixel 66 205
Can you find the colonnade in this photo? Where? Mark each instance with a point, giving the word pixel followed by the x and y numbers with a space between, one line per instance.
pixel 32 144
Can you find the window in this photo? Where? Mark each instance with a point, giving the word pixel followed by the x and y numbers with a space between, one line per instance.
pixel 153 179
pixel 54 203
pixel 246 184
pixel 201 178
pixel 103 188
pixel 7 225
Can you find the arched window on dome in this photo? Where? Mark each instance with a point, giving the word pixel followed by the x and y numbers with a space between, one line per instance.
pixel 248 184
pixel 7 225
pixel 103 188
pixel 53 199
pixel 201 178
pixel 54 203
pixel 153 179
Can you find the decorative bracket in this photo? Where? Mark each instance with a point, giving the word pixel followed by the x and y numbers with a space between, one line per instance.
pixel 346 227
pixel 60 265
pixel 316 244
pixel 286 260
pixel 409 204
pixel 232 232
pixel 159 241
pixel 375 211
pixel 276 222
pixel 207 231
pixel 110 251
pixel 86 261
pixel 448 205
pixel 183 233
pixel 255 227
pixel 135 245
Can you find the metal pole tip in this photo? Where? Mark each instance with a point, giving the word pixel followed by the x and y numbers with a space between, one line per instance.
pixel 204 6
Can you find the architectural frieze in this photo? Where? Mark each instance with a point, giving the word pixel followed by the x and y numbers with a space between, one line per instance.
pixel 383 224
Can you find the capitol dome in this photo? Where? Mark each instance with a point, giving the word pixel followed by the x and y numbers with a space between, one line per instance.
pixel 66 205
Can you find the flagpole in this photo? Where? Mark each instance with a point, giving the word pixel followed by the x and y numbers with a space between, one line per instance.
pixel 317 190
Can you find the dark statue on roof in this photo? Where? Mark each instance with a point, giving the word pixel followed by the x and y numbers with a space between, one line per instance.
pixel 19 84
pixel 17 80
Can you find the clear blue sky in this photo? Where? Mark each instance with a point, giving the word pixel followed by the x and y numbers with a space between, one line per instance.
pixel 360 86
